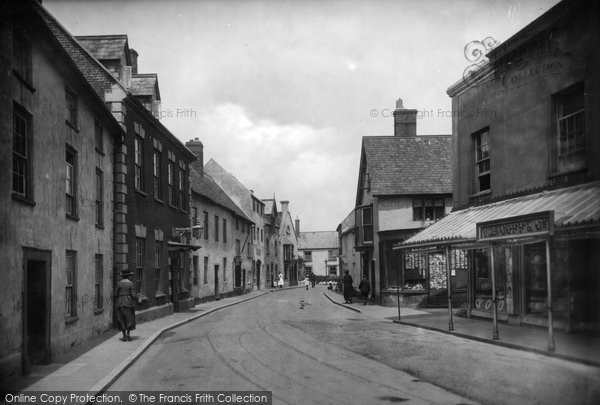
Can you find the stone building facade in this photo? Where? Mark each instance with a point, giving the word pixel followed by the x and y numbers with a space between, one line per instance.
pixel 57 196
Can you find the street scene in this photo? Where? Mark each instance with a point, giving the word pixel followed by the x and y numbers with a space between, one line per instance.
pixel 339 202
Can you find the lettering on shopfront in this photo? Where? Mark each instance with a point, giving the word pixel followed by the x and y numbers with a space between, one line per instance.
pixel 537 224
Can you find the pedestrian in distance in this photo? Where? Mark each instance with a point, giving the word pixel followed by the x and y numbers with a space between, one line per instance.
pixel 365 288
pixel 348 288
pixel 280 282
pixel 125 303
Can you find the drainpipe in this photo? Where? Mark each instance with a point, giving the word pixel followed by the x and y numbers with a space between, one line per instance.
pixel 450 319
pixel 495 311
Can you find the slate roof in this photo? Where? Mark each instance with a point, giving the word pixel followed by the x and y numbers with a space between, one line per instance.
pixel 206 186
pixel 318 240
pixel 105 47
pixel 348 223
pixel 145 84
pixel 409 165
pixel 97 75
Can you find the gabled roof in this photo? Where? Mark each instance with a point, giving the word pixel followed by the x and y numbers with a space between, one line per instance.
pixel 96 74
pixel 318 240
pixel 206 186
pixel 145 84
pixel 408 165
pixel 106 47
pixel 349 223
pixel 270 203
pixel 239 193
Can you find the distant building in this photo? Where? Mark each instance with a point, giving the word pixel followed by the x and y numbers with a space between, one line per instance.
pixel 152 180
pixel 272 241
pixel 319 252
pixel 220 266
pixel 526 239
pixel 287 248
pixel 349 258
pixel 254 209
pixel 57 193
pixel 404 185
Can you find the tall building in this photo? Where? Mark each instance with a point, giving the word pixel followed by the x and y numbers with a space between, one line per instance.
pixel 404 185
pixel 526 238
pixel 57 195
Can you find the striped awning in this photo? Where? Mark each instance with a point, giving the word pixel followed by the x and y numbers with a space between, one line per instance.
pixel 572 206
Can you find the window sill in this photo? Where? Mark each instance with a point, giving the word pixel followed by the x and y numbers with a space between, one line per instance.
pixel 141 192
pixel 70 320
pixel 174 207
pixel 98 226
pixel 73 126
pixel 25 82
pixel 23 199
pixel 72 217
pixel 158 200
pixel 98 311
pixel 100 152
pixel 160 295
pixel 481 193
pixel 567 172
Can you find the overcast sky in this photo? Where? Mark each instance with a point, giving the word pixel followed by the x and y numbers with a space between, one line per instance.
pixel 281 93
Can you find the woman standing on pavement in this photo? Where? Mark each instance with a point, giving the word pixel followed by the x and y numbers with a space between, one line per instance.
pixel 348 287
pixel 125 295
pixel 280 282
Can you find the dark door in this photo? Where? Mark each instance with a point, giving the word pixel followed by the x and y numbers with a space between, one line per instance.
pixel 258 265
pixel 36 309
pixel 216 279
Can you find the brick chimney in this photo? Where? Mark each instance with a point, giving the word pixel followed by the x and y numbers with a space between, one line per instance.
pixel 297 226
pixel 284 205
pixel 197 149
pixel 134 57
pixel 405 120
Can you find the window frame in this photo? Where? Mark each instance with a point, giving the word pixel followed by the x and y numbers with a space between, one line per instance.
pixel 480 158
pixel 72 109
pixel 99 203
pixel 99 282
pixel 71 197
pixel 559 100
pixel 156 171
pixel 140 252
pixel 70 285
pixel 22 58
pixel 24 172
pixel 158 258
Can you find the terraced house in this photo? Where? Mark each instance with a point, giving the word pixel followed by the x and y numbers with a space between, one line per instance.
pixel 219 267
pixel 56 222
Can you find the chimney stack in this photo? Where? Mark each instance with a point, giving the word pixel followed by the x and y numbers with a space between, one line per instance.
pixel 197 149
pixel 297 226
pixel 405 120
pixel 134 57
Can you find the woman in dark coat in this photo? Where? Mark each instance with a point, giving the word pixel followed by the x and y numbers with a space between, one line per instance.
pixel 348 288
pixel 125 295
pixel 365 289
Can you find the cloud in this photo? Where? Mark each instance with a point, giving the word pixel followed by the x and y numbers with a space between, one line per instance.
pixel 296 162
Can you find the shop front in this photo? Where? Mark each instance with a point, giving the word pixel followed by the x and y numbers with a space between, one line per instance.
pixel 531 260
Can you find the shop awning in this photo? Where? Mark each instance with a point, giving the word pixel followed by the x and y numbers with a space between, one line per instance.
pixel 572 206
pixel 181 247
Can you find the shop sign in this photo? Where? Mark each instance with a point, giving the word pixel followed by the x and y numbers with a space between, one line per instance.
pixel 538 224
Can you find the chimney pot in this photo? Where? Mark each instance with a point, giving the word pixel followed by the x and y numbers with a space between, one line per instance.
pixel 405 120
pixel 197 149
pixel 134 60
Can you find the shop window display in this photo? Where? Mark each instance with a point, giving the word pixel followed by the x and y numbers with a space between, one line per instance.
pixel 414 271
pixel 503 269
pixel 437 271
pixel 536 286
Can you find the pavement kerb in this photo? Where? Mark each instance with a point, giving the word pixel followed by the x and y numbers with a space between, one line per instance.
pixel 340 304
pixel 125 364
pixel 561 356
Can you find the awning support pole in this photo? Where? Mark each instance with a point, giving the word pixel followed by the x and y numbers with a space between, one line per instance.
pixel 448 283
pixel 549 305
pixel 398 269
pixel 495 335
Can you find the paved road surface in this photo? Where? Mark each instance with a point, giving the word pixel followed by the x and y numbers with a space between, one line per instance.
pixel 324 353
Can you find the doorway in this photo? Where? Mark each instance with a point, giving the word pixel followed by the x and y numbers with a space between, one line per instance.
pixel 36 308
pixel 216 279
pixel 258 266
